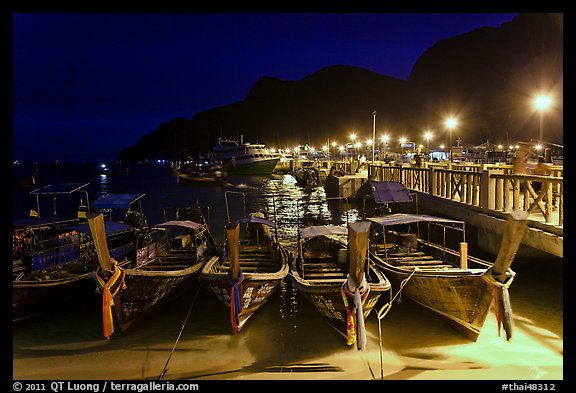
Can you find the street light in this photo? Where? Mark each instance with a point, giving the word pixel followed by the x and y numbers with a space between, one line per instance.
pixel 450 123
pixel 373 136
pixel 428 136
pixel 541 103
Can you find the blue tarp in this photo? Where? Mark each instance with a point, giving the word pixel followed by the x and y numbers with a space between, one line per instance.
pixel 116 201
pixel 385 191
pixel 110 227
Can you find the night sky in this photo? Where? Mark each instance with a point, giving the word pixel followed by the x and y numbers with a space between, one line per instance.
pixel 87 85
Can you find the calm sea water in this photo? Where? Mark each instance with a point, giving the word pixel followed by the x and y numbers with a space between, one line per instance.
pixel 277 195
pixel 287 334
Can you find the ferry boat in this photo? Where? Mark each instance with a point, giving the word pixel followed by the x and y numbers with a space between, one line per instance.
pixel 246 159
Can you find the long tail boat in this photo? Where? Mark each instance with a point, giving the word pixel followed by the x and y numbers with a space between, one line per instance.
pixel 426 258
pixel 334 273
pixel 249 270
pixel 166 266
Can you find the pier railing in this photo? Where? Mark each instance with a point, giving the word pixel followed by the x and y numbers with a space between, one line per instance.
pixel 493 187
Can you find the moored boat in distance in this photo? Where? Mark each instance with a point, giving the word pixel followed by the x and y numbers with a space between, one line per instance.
pixel 246 159
pixel 336 276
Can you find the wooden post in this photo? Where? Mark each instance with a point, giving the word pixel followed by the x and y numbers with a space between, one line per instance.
pixel 233 244
pixel 511 239
pixel 96 224
pixel 463 255
pixel 358 246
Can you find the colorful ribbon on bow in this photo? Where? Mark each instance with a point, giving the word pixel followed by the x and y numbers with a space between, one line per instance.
pixel 355 329
pixel 109 290
pixel 235 301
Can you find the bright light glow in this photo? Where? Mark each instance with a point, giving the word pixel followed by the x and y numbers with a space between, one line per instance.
pixel 451 123
pixel 353 136
pixel 542 102
pixel 312 149
pixel 369 142
pixel 357 145
pixel 296 149
pixel 500 146
pixel 287 150
pixel 538 147
pixel 402 140
pixel 341 148
pixel 442 147
pixel 385 138
pixel 325 148
pixel 428 135
pixel 334 144
pixel 103 165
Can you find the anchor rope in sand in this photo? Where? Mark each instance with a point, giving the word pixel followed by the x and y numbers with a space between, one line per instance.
pixel 181 330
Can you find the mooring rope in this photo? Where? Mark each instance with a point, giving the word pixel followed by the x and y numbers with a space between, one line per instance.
pixel 181 330
pixel 384 311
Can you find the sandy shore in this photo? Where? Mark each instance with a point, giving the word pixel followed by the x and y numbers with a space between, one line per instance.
pixel 288 340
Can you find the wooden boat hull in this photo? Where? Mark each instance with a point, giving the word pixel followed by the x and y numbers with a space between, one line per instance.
pixel 256 288
pixel 430 265
pixel 52 289
pixel 462 297
pixel 328 301
pixel 148 290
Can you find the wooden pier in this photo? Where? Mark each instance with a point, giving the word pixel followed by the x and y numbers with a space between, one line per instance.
pixel 481 194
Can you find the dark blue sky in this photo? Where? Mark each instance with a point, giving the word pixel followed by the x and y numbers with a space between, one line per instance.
pixel 87 85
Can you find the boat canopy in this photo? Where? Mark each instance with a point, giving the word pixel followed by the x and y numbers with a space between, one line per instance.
pixel 385 191
pixel 321 230
pixel 110 227
pixel 403 218
pixel 257 220
pixel 181 223
pixel 33 222
pixel 62 188
pixel 116 201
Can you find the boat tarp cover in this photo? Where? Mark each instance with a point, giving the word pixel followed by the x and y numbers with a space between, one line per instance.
pixel 257 220
pixel 42 222
pixel 322 230
pixel 110 227
pixel 181 223
pixel 63 188
pixel 116 201
pixel 403 218
pixel 385 191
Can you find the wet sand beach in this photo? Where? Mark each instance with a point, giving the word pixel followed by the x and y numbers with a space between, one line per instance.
pixel 288 340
